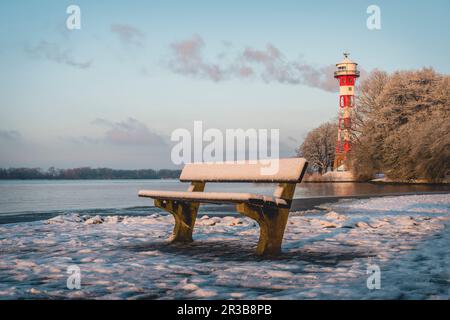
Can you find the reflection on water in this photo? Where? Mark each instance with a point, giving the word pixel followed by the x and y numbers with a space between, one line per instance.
pixel 306 190
pixel 43 196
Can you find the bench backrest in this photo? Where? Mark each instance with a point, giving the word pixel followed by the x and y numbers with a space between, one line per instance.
pixel 288 170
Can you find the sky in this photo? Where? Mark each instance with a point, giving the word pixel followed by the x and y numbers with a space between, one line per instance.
pixel 111 93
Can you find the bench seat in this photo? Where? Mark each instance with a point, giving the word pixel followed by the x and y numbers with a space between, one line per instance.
pixel 215 197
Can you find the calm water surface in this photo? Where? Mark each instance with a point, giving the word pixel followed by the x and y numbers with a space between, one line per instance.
pixel 20 198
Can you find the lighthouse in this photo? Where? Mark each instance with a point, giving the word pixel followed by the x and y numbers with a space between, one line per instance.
pixel 346 74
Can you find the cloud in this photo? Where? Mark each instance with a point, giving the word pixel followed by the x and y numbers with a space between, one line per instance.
pixel 80 140
pixel 188 60
pixel 128 35
pixel 268 64
pixel 129 132
pixel 10 135
pixel 273 67
pixel 53 52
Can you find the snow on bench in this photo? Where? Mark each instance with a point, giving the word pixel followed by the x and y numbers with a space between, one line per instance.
pixel 271 213
pixel 289 170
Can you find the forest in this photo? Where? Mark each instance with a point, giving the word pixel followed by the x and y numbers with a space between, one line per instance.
pixel 86 173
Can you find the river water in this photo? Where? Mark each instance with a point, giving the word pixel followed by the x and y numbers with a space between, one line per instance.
pixel 25 200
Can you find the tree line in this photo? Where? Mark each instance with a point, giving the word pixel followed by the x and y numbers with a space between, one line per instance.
pixel 86 173
pixel 401 128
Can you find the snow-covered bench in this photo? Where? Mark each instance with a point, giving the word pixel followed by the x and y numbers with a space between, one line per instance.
pixel 271 213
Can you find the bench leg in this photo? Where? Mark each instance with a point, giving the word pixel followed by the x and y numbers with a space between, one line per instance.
pixel 185 215
pixel 272 223
pixel 271 227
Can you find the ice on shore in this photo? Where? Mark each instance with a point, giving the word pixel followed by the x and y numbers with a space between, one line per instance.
pixel 325 255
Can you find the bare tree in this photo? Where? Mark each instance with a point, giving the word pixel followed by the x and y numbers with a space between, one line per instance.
pixel 319 147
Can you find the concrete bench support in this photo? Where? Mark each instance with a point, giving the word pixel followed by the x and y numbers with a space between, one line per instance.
pixel 271 220
pixel 184 213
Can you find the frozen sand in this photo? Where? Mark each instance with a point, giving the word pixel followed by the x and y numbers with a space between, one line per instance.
pixel 325 255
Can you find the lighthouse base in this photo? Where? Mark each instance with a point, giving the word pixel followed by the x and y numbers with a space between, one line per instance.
pixel 341 162
pixel 338 176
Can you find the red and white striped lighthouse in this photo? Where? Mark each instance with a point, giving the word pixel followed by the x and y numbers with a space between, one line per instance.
pixel 346 74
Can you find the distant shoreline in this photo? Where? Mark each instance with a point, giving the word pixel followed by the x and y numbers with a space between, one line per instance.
pixel 85 173
pixel 346 176
pixel 86 179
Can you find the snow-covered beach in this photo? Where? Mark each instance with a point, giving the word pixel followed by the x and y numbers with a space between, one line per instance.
pixel 326 254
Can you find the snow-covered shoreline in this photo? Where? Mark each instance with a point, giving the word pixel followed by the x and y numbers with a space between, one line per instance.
pixel 325 255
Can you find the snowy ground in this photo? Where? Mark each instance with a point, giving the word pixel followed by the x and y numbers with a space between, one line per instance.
pixel 326 254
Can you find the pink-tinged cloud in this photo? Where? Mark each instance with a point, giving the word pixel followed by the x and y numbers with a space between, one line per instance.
pixel 245 72
pixel 188 60
pixel 273 66
pixel 129 132
pixel 268 64
pixel 128 34
pixel 268 56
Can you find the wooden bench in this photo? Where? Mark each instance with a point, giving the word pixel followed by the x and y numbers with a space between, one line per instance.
pixel 271 213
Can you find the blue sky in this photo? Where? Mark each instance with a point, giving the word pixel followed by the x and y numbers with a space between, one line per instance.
pixel 111 93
